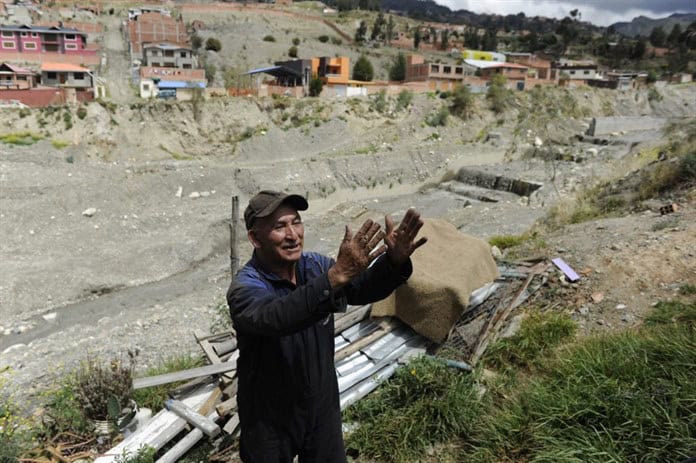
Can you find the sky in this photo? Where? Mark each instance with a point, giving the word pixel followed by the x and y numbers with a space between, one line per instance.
pixel 599 12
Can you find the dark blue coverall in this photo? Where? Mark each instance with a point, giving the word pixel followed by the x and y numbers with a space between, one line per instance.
pixel 288 392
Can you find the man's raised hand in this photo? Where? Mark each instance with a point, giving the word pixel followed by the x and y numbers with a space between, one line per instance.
pixel 400 241
pixel 356 252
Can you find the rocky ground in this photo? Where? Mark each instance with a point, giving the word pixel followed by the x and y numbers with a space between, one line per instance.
pixel 120 240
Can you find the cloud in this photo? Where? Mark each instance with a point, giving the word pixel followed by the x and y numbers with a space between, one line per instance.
pixel 598 12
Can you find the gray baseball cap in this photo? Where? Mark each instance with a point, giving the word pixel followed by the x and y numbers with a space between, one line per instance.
pixel 267 201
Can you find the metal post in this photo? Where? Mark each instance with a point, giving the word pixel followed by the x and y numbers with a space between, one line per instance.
pixel 234 257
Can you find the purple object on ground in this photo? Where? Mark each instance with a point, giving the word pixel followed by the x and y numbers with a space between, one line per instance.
pixel 565 268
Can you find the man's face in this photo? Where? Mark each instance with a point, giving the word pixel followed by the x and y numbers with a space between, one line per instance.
pixel 279 238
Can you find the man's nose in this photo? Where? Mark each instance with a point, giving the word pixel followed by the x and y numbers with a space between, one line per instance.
pixel 291 232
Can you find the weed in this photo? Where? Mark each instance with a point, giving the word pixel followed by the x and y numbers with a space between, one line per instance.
pixel 269 38
pixel 654 94
pixel 108 105
pixel 403 100
pixel 24 112
pixel 69 159
pixel 81 112
pixel 336 41
pixel 104 390
pixel 154 397
pixel 674 311
pixel 538 333
pixel 507 241
pixel 63 411
pixel 687 289
pixel 221 319
pixel 380 102
pixel 438 118
pixel 323 38
pixel 144 454
pixel 15 432
pixel 59 144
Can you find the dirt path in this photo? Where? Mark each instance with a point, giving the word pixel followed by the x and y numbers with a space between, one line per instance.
pixel 120 89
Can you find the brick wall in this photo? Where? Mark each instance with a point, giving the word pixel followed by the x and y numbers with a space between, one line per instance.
pixel 42 97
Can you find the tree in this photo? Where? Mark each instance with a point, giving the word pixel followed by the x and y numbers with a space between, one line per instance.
pixel 638 49
pixel 390 29
pixel 213 44
pixel 210 71
pixel 674 36
pixel 416 38
pixel 658 37
pixel 196 41
pixel 292 52
pixel 397 71
pixel 377 32
pixel 462 101
pixel 315 85
pixel 498 94
pixel 361 32
pixel 363 69
pixel 444 39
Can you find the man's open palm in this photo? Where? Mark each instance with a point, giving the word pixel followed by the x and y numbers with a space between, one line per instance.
pixel 401 241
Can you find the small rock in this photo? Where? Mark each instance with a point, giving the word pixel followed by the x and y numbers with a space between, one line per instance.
pixel 597 297
pixel 615 247
pixel 14 347
pixel 89 212
pixel 194 195
pixel 538 142
pixel 620 306
pixel 495 251
pixel 627 318
pixel 560 250
pixel 49 317
pixel 179 192
pixel 584 310
pixel 205 194
pixel 600 322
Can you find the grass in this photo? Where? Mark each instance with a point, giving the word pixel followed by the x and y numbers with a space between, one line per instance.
pixel 154 397
pixel 507 241
pixel 20 138
pixel 619 397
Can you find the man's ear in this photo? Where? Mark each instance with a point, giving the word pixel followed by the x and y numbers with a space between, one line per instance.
pixel 252 238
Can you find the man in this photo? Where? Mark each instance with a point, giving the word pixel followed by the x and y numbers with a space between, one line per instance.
pixel 282 303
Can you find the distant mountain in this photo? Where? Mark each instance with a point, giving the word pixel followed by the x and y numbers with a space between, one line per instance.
pixel 644 26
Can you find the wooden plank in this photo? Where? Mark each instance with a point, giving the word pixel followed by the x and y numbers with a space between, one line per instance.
pixel 227 406
pixel 209 351
pixel 223 347
pixel 231 425
pixel 208 426
pixel 184 445
pixel 351 318
pixel 140 383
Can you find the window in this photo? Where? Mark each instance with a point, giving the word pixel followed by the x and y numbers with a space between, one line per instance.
pixel 78 75
pixel 8 34
pixel 183 54
pixel 70 46
pixel 434 68
pixel 459 70
pixel 447 69
pixel 8 45
pixel 586 72
pixel 51 75
pixel 24 34
pixel 146 87
pixel 30 46
pixel 21 77
pixel 69 36
pixel 34 34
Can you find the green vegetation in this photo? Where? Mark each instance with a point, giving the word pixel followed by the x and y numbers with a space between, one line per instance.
pixel 462 102
pixel 315 86
pixel 379 102
pixel 67 119
pixel 507 241
pixel 59 144
pixel 292 52
pixel 363 69
pixel 154 397
pixel 20 138
pixel 397 70
pixel 322 38
pixel 269 38
pixel 439 118
pixel 144 454
pixel 619 397
pixel 425 402
pixel 81 112
pixel 498 94
pixel 403 100
pixel 213 44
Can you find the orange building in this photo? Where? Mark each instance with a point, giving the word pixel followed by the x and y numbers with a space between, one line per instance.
pixel 332 70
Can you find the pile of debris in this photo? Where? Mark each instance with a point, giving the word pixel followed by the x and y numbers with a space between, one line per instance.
pixel 367 352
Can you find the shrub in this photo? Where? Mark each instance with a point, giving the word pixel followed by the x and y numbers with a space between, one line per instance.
pixel 67 118
pixel 323 38
pixel 439 118
pixel 315 86
pixel 296 41
pixel 213 44
pixel 24 112
pixel 210 71
pixel 59 144
pixel 81 112
pixel 103 391
pixel 397 70
pixel 154 397
pixel 380 103
pixel 196 41
pixel 506 241
pixel 363 69
pixel 269 38
pixel 292 52
pixel 336 40
pixel 404 99
pixel 462 101
pixel 498 95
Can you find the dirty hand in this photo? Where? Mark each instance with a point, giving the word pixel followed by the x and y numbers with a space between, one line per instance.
pixel 400 241
pixel 356 253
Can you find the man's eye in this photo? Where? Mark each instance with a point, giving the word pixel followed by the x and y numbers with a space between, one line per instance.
pixel 297 222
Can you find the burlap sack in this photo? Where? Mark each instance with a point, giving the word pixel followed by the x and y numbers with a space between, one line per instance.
pixel 446 270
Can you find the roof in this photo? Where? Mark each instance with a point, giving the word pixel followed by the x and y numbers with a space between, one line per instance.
pixel 482 64
pixel 25 28
pixel 175 74
pixel 62 67
pixel 179 84
pixel 166 45
pixel 16 69
pixel 268 69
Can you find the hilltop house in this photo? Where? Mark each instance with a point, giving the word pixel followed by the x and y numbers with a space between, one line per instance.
pixel 38 44
pixel 159 82
pixel 168 55
pixel 66 75
pixel 154 28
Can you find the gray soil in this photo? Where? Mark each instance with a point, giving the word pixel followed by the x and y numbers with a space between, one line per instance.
pixel 151 264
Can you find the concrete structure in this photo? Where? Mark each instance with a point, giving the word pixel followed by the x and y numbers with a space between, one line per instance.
pixel 66 75
pixel 154 28
pixel 16 78
pixel 169 82
pixel 578 70
pixel 168 55
pixel 538 68
pixel 33 40
pixel 608 125
pixel 133 13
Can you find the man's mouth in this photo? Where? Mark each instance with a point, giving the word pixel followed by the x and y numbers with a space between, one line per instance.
pixel 291 247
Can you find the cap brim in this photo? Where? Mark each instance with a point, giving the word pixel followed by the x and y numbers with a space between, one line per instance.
pixel 296 201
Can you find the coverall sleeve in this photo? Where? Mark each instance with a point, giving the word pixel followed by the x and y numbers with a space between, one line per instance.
pixel 256 310
pixel 377 282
